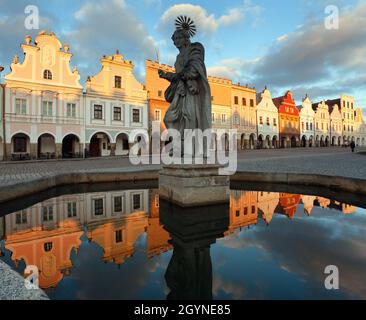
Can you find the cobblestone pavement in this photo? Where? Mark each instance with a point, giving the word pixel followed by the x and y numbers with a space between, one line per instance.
pixel 327 161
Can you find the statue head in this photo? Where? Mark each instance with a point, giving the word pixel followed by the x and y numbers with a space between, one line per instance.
pixel 181 38
pixel 185 29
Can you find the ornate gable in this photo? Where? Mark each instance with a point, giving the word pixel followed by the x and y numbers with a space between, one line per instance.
pixel 46 63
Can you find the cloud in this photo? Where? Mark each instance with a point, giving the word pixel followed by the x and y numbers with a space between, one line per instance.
pixel 95 35
pixel 233 17
pixel 207 23
pixel 313 54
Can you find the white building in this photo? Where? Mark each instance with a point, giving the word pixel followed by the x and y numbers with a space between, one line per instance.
pixel 116 104
pixel 43 102
pixel 322 124
pixel 267 121
pixel 336 125
pixel 307 123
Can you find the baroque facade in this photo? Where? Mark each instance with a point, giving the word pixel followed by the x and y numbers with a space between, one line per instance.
pixel 116 104
pixel 289 121
pixel 44 113
pixel 43 102
pixel 267 121
pixel 307 122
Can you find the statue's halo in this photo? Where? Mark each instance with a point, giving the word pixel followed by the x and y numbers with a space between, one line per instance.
pixel 185 23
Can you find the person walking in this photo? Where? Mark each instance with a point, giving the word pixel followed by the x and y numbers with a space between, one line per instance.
pixel 353 146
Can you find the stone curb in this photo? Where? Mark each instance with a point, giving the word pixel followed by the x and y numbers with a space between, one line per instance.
pixel 12 192
pixel 12 286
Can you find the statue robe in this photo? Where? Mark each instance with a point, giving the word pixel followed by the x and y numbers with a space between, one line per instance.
pixel 189 95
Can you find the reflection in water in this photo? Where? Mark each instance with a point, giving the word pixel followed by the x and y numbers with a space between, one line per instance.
pixel 50 234
pixel 193 231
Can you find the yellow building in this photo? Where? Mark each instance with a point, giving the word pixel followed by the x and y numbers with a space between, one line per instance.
pixel 244 104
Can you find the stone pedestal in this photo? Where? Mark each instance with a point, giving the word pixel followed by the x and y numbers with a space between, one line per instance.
pixel 194 185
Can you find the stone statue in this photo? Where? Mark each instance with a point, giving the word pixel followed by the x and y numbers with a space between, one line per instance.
pixel 189 93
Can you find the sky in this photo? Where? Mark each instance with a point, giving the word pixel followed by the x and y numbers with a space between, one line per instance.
pixel 282 44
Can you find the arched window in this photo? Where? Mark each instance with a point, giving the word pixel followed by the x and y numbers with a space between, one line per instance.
pixel 47 74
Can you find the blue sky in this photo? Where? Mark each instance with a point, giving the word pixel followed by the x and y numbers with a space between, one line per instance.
pixel 282 44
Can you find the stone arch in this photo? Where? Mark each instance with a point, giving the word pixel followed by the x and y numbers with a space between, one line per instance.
pixel 100 145
pixel 46 146
pixel 20 148
pixel 71 146
pixel 122 144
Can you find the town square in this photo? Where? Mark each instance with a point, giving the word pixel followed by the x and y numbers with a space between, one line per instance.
pixel 195 152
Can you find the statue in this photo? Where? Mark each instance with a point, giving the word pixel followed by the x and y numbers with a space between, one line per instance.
pixel 189 93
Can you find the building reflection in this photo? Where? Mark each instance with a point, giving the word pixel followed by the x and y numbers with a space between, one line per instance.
pixel 47 233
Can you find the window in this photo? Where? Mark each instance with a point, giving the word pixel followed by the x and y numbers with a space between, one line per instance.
pixel 71 110
pixel 236 119
pixel 212 98
pixel 118 236
pixel 21 218
pixel 268 124
pixel 223 118
pixel 261 120
pixel 20 144
pixel 47 108
pixel 322 126
pixel 157 115
pixel 118 82
pixel 157 201
pixel 251 102
pixel 236 100
pixel 47 246
pixel 213 117
pixel 47 213
pixel 136 115
pixel 237 213
pixel 307 125
pixel 98 111
pixel 47 74
pixel 244 102
pixel 311 126
pixel 274 122
pixel 245 211
pixel 302 126
pixel 253 209
pixel 117 204
pixel 71 209
pixel 117 114
pixel 98 207
pixel 136 201
pixel 160 93
pixel 20 106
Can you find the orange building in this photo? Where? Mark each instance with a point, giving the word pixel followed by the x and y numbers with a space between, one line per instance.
pixel 289 120
pixel 117 237
pixel 156 88
pixel 49 250
pixel 288 204
pixel 243 210
pixel 157 237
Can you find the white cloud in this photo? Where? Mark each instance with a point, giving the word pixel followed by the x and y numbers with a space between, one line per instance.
pixel 103 27
pixel 232 17
pixel 205 23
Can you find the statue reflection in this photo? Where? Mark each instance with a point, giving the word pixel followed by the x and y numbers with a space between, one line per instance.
pixel 192 232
